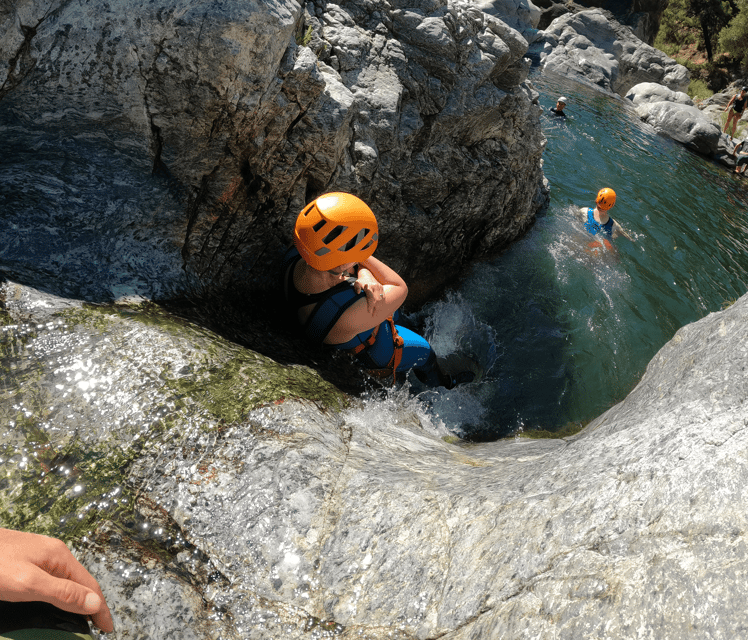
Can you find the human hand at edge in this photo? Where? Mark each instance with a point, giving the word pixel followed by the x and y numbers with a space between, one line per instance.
pixel 34 567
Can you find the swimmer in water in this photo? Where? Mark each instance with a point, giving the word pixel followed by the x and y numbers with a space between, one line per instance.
pixel 558 110
pixel 597 221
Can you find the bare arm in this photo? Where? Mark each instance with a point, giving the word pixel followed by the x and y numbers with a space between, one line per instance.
pixel 729 104
pixel 375 279
pixel 619 230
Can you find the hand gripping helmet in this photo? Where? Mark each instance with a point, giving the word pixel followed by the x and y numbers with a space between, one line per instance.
pixel 335 229
pixel 606 198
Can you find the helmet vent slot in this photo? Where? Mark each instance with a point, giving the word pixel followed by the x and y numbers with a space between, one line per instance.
pixel 355 240
pixel 333 234
pixel 371 242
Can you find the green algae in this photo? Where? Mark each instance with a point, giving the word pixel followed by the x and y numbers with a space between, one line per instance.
pixel 227 380
pixel 184 377
pixel 63 492
pixel 248 381
pixel 89 315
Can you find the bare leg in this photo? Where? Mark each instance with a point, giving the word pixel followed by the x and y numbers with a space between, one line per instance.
pixel 731 115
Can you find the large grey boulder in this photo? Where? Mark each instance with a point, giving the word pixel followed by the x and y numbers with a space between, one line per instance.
pixel 277 520
pixel 646 92
pixel 682 122
pixel 594 49
pixel 238 113
pixel 521 15
pixel 642 16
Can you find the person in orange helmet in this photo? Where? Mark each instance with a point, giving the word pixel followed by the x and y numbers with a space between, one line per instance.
pixel 345 298
pixel 597 221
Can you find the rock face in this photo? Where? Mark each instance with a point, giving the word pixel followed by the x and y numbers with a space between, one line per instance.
pixel 649 92
pixel 683 123
pixel 286 519
pixel 642 17
pixel 593 49
pixel 246 111
pixel 672 113
pixel 521 15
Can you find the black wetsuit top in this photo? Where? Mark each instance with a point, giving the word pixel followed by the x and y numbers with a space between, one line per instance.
pixel 739 103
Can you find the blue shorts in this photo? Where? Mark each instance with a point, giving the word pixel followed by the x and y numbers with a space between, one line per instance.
pixel 417 352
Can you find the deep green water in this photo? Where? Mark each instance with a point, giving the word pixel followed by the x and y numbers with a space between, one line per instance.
pixel 573 331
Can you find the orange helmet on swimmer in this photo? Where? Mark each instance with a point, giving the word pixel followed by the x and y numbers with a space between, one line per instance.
pixel 335 229
pixel 606 198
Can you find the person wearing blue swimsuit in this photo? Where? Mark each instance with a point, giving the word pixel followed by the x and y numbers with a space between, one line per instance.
pixel 597 221
pixel 345 298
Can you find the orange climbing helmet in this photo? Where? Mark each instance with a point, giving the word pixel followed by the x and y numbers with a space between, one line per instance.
pixel 335 229
pixel 606 198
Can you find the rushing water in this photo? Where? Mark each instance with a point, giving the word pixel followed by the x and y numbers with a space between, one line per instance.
pixel 573 331
pixel 563 333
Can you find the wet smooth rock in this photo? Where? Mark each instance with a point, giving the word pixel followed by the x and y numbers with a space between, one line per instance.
pixel 683 123
pixel 646 92
pixel 595 49
pixel 292 517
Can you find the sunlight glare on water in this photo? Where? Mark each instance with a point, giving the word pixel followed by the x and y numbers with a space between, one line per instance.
pixel 573 326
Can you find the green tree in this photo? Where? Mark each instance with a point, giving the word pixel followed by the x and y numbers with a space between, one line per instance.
pixel 734 37
pixel 713 16
pixel 677 28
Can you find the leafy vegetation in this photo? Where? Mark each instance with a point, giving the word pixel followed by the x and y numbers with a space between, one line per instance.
pixel 303 38
pixel 734 37
pixel 710 38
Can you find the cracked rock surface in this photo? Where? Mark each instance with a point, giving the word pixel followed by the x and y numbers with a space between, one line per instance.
pixel 599 50
pixel 361 522
pixel 241 112
pixel 635 527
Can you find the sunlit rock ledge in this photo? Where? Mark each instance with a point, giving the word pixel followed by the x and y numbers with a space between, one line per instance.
pixel 295 516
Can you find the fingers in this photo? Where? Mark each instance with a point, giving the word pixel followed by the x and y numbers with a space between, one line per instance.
pixel 73 586
pixel 42 568
pixel 371 299
pixel 374 295
pixel 75 597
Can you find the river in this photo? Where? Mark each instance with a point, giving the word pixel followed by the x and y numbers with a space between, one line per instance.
pixel 563 333
pixel 573 331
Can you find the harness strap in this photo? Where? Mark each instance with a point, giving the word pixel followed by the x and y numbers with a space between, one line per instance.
pixel 397 352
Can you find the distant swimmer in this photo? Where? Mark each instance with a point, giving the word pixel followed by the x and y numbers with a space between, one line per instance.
pixel 597 221
pixel 735 109
pixel 558 110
